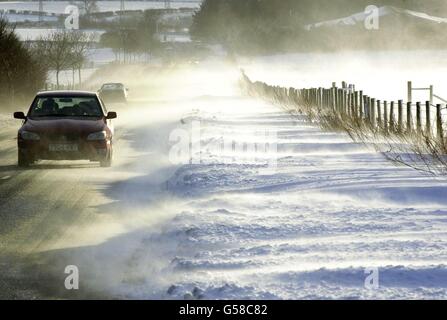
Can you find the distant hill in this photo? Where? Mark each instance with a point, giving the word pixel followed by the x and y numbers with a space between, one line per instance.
pixel 265 26
pixel 384 12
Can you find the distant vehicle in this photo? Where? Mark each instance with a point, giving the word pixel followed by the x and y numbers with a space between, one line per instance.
pixel 113 92
pixel 66 125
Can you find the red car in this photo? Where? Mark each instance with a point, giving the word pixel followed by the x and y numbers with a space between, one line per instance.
pixel 66 125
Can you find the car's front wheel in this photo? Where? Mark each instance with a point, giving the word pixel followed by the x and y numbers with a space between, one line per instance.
pixel 24 160
pixel 107 161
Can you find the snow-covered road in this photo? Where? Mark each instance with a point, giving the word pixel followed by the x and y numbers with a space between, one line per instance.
pixel 311 220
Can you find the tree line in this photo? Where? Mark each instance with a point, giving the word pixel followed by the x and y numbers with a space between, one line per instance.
pixel 133 36
pixel 21 74
pixel 24 66
pixel 62 50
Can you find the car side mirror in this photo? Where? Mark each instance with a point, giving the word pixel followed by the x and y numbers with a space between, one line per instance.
pixel 19 115
pixel 111 115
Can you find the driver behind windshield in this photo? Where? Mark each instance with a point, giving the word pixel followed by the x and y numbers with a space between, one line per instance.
pixel 49 106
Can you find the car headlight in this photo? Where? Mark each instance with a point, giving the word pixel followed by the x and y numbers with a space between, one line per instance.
pixel 102 135
pixel 26 135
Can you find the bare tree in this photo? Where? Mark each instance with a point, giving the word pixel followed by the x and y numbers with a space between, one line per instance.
pixel 55 47
pixel 89 6
pixel 80 45
pixel 63 50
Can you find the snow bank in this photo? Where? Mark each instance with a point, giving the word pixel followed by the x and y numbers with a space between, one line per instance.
pixel 310 230
pixel 33 34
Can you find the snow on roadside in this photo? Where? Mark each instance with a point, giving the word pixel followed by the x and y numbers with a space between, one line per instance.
pixel 308 230
pixel 7 120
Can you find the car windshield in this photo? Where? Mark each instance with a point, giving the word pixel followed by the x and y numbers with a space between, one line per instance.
pixel 79 106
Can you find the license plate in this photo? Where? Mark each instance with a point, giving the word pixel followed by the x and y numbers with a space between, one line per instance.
pixel 63 147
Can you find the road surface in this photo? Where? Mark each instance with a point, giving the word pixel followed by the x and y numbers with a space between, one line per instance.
pixel 308 219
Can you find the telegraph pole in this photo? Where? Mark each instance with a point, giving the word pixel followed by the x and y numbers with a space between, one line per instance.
pixel 167 4
pixel 122 8
pixel 40 11
pixel 121 32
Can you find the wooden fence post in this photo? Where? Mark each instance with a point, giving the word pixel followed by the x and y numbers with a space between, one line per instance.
pixel 334 97
pixel 439 124
pixel 379 114
pixel 329 98
pixel 431 94
pixel 341 101
pixel 418 118
pixel 373 112
pixel 409 118
pixel 321 96
pixel 348 103
pixel 352 104
pixel 345 102
pixel 326 97
pixel 339 98
pixel 392 121
pixel 385 116
pixel 400 116
pixel 367 112
pixel 317 97
pixel 428 118
pixel 361 104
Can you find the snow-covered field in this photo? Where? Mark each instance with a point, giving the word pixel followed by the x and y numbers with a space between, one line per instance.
pixel 33 34
pixel 14 18
pixel 59 6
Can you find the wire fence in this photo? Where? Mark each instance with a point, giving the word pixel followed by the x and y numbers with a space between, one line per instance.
pixel 347 105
